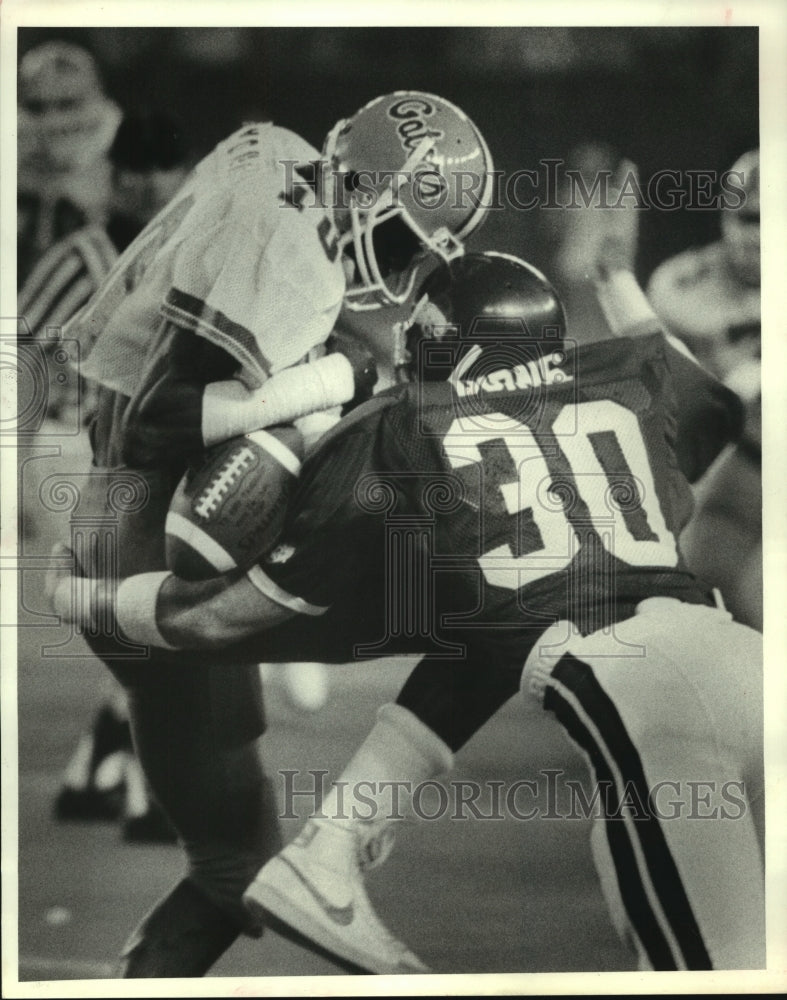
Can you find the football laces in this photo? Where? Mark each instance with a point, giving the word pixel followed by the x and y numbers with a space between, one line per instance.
pixel 210 499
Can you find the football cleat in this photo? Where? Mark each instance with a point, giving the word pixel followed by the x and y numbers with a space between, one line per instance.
pixel 87 805
pixel 315 886
pixel 93 787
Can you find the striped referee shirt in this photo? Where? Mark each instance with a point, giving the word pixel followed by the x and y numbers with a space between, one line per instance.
pixel 63 280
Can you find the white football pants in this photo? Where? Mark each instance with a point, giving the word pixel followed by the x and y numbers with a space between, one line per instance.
pixel 667 709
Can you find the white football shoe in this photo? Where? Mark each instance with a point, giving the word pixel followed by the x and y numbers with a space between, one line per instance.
pixel 315 886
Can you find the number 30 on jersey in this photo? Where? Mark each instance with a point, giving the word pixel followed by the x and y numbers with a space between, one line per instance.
pixel 634 532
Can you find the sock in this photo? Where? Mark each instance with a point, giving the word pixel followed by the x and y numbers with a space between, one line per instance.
pixel 375 788
pixel 78 770
pixel 455 698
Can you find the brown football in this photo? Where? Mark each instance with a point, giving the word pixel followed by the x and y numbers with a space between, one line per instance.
pixel 230 510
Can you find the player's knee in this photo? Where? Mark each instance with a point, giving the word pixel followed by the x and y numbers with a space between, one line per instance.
pixel 224 878
pixel 223 869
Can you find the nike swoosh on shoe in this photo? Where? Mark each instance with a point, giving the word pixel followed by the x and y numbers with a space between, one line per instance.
pixel 341 915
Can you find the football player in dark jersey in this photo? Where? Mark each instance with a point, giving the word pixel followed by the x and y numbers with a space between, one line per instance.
pixel 545 487
pixel 188 339
pixel 548 486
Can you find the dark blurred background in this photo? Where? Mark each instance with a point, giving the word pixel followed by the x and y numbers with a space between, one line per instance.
pixel 677 98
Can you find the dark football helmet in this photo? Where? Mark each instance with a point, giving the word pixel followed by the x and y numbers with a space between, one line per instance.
pixel 483 302
pixel 406 175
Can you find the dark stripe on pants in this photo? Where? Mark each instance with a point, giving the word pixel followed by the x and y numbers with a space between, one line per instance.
pixel 578 678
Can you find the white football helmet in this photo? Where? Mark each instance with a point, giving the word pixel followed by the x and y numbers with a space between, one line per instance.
pixel 406 175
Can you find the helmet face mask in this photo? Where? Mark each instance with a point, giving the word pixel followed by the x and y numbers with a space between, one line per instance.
pixel 396 195
pixel 386 253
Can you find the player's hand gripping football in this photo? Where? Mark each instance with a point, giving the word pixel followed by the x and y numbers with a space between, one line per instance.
pixel 73 603
pixel 58 571
pixel 617 223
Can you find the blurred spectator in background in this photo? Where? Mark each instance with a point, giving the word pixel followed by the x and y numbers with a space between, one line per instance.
pixel 65 126
pixel 149 161
pixel 710 298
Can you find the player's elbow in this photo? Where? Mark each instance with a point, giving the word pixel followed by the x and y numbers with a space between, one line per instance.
pixel 200 626
pixel 215 613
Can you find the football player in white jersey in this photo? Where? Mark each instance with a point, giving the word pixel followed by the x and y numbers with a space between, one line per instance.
pixel 710 297
pixel 213 323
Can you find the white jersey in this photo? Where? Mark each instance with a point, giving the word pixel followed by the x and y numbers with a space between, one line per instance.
pixel 701 301
pixel 234 257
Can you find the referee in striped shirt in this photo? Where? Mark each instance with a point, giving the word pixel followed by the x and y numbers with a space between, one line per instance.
pixel 150 160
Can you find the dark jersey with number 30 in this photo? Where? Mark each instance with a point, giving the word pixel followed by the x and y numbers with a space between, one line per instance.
pixel 492 505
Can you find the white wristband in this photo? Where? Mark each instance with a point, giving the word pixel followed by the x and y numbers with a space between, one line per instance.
pixel 624 304
pixel 135 608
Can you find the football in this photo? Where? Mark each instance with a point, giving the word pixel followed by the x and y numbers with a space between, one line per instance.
pixel 229 510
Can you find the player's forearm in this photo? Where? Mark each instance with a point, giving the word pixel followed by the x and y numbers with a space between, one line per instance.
pixel 229 408
pixel 188 400
pixel 180 418
pixel 213 613
pixel 164 611
pixel 624 304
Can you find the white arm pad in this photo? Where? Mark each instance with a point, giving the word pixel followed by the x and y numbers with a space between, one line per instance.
pixel 229 409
